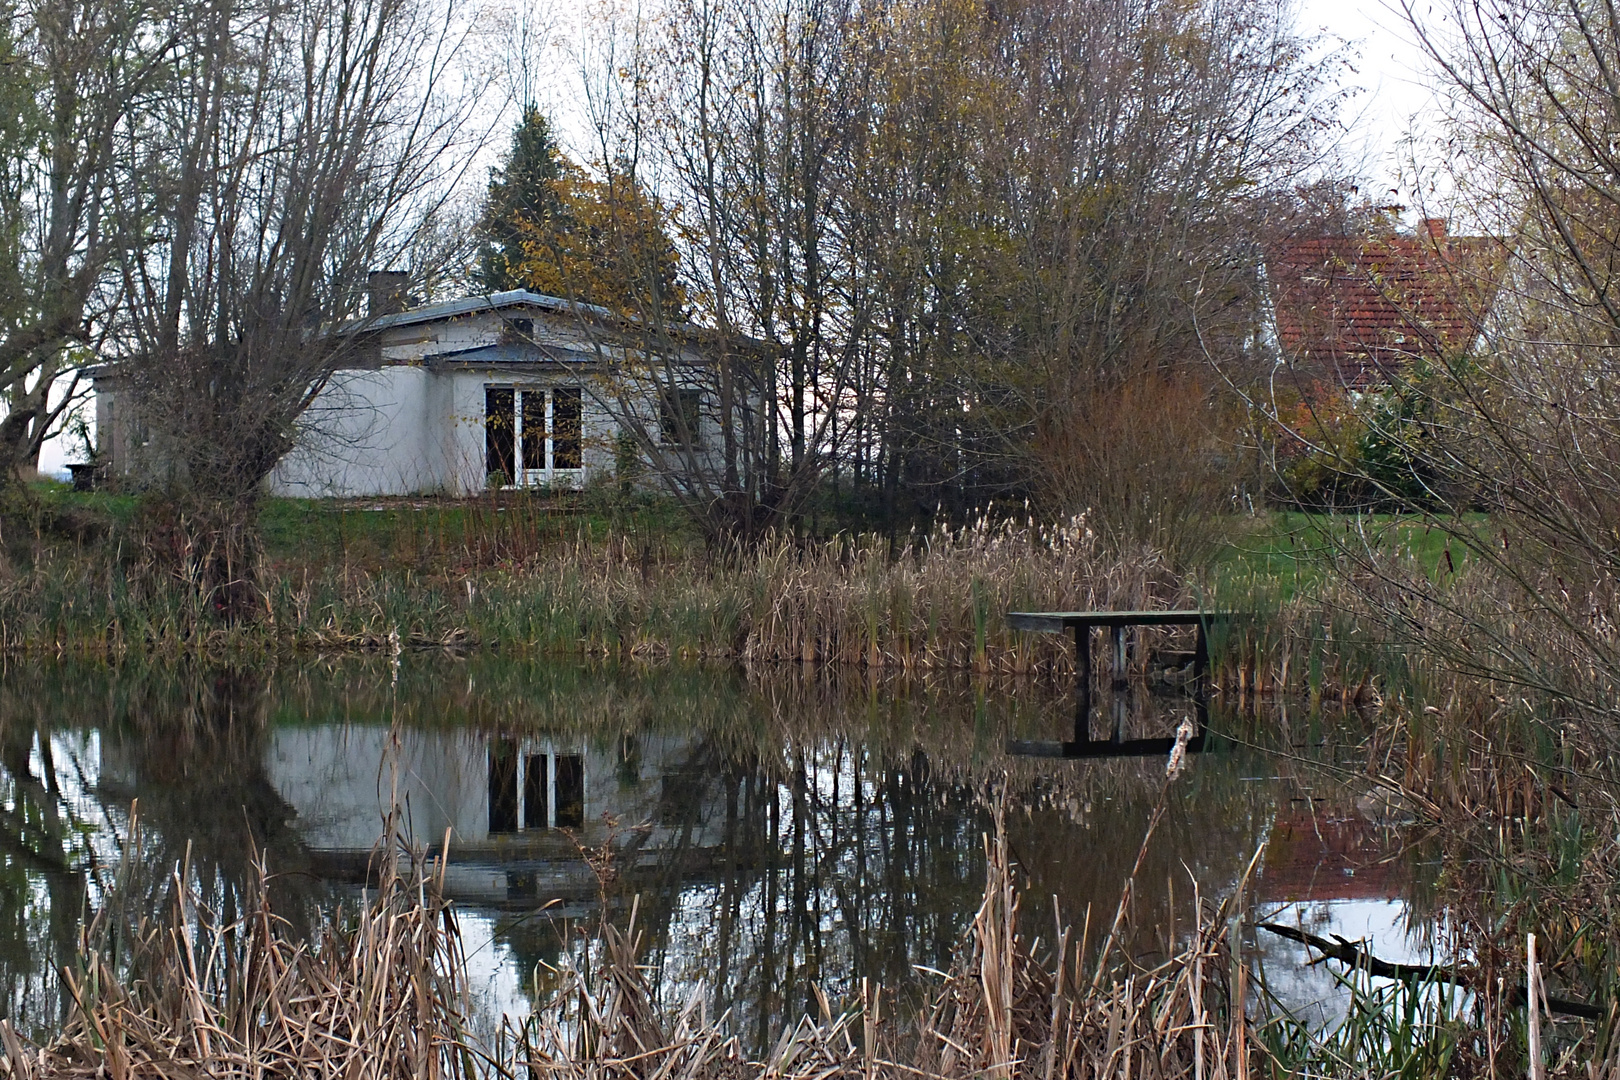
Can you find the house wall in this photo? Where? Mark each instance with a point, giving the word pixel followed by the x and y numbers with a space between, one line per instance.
pixel 368 433
pixel 414 422
pixel 339 780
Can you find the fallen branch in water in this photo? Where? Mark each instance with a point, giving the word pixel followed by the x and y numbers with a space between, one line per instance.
pixel 1357 957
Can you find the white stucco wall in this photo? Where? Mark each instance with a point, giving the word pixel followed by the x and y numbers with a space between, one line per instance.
pixel 368 433
pixel 340 781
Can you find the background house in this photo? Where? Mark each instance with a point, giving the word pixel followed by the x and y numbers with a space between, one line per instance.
pixel 514 389
pixel 1353 312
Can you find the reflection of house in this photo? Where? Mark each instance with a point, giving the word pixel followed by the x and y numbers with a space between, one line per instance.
pixel 512 389
pixel 1354 311
pixel 519 814
pixel 1313 855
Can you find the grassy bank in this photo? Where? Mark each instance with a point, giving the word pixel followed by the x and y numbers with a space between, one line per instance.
pixel 527 577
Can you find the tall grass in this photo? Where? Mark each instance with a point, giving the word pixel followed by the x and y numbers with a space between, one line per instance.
pixel 937 601
pixel 384 994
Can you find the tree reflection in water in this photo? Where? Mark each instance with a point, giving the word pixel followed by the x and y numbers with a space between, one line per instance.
pixel 781 833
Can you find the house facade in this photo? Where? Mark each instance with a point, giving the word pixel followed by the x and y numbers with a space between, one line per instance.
pixel 511 390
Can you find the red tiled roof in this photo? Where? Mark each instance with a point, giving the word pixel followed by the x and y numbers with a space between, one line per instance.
pixel 1356 310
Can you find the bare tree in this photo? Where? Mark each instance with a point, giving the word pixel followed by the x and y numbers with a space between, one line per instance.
pixel 953 232
pixel 75 76
pixel 300 145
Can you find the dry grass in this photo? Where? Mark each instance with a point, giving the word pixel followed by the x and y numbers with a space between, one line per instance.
pixel 385 996
pixel 204 996
pixel 935 603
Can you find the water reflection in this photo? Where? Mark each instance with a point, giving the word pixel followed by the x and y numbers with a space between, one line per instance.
pixel 781 833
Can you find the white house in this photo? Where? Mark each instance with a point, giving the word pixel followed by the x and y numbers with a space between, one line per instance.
pixel 513 389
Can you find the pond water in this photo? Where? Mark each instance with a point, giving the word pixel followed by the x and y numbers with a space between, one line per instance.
pixel 779 830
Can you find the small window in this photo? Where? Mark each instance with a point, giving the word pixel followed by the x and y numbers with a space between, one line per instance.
pixel 522 329
pixel 680 413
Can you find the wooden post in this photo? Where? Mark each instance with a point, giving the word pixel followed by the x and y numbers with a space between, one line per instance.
pixel 1082 686
pixel 1201 659
pixel 1120 679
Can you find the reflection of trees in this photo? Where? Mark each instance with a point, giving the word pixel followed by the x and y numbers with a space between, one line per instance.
pixel 45 862
pixel 190 746
pixel 834 865
pixel 801 838
pixel 192 751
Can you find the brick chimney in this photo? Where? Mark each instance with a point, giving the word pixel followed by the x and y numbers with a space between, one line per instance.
pixel 385 292
pixel 1434 228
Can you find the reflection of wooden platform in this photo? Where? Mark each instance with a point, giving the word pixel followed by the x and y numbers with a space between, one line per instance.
pixel 1082 623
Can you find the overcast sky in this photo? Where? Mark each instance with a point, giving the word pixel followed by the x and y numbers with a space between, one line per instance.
pixel 1394 91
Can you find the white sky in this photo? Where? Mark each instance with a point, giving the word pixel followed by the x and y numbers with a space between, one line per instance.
pixel 1394 92
pixel 1393 98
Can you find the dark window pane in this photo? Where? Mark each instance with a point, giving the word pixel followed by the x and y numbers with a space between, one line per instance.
pixel 534 429
pixel 679 414
pixel 500 435
pixel 570 791
pixel 534 792
pixel 566 409
pixel 503 790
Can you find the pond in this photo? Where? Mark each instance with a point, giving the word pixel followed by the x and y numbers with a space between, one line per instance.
pixel 776 830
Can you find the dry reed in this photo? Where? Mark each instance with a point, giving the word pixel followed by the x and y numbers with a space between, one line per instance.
pixel 937 601
pixel 384 995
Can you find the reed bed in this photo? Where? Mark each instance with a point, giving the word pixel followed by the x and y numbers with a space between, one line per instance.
pixel 1011 1007
pixel 936 601
pixel 384 994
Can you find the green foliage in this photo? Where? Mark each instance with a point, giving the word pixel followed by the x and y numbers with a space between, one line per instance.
pixel 1410 1032
pixel 1375 451
pixel 522 190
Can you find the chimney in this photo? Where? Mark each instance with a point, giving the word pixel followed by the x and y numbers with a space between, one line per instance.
pixel 1434 228
pixel 385 292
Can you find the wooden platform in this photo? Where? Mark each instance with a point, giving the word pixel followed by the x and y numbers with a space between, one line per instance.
pixel 1082 623
pixel 1057 621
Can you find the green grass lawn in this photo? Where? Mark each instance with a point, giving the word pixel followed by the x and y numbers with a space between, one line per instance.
pixel 1279 552
pixel 422 533
pixel 1289 549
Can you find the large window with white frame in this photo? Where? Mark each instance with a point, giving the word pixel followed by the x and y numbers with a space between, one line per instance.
pixel 532 787
pixel 534 436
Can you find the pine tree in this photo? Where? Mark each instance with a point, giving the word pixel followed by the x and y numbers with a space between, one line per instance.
pixel 522 196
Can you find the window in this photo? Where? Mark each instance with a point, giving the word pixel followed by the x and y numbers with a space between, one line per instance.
pixel 522 329
pixel 680 413
pixel 534 436
pixel 567 413
pixel 500 436
pixel 534 430
pixel 530 789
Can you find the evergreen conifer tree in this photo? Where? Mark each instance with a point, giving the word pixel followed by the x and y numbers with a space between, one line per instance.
pixel 523 191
